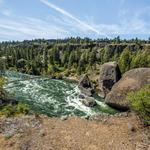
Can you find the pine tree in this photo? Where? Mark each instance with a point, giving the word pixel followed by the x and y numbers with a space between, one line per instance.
pixel 125 60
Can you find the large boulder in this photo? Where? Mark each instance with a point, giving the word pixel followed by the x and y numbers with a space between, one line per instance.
pixel 89 102
pixel 132 80
pixel 86 86
pixel 109 75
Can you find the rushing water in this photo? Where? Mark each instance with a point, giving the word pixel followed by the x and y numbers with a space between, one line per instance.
pixel 51 97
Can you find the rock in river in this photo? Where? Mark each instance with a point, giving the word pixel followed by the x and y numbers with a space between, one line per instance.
pixel 89 102
pixel 86 86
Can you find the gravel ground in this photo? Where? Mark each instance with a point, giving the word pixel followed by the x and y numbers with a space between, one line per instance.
pixel 120 132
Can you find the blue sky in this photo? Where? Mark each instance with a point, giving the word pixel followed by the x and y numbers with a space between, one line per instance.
pixel 30 19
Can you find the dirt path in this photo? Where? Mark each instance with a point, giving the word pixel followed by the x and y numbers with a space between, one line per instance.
pixel 43 133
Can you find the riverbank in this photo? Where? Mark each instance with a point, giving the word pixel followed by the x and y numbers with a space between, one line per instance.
pixel 124 131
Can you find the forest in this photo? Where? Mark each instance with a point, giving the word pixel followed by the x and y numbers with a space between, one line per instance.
pixel 72 56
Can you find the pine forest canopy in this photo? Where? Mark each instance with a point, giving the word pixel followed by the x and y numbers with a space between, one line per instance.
pixel 72 55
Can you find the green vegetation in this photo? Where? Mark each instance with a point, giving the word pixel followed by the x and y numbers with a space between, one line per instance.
pixel 3 93
pixel 140 102
pixel 6 107
pixel 72 56
pixel 12 110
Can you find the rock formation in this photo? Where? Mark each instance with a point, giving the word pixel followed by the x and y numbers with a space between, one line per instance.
pixel 132 80
pixel 89 102
pixel 109 75
pixel 86 86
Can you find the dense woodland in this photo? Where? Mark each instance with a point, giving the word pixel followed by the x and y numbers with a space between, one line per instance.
pixel 73 55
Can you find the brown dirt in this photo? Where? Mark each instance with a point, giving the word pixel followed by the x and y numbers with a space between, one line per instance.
pixel 43 133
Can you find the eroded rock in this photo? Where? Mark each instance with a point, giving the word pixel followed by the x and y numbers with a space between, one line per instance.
pixel 86 86
pixel 132 80
pixel 109 75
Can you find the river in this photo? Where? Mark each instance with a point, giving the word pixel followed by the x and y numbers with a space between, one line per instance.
pixel 51 97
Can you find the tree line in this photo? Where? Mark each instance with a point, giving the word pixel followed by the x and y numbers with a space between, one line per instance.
pixel 72 55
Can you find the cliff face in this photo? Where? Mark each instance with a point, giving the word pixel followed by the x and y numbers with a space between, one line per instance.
pixel 112 49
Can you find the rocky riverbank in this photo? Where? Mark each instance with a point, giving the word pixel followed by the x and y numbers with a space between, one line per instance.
pixel 123 131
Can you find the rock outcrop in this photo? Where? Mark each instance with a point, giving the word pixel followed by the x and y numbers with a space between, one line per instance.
pixel 109 75
pixel 86 86
pixel 89 102
pixel 132 80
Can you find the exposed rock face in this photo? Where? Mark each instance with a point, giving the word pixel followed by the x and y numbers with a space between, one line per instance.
pixel 132 80
pixel 86 86
pixel 109 75
pixel 89 102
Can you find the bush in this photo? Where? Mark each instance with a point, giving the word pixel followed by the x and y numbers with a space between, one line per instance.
pixel 58 76
pixel 66 73
pixel 3 93
pixel 22 108
pixel 8 110
pixel 52 69
pixel 140 102
pixel 12 110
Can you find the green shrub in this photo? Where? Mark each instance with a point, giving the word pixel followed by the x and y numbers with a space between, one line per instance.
pixel 52 69
pixel 58 75
pixel 66 73
pixel 3 93
pixel 12 110
pixel 140 102
pixel 22 108
pixel 8 110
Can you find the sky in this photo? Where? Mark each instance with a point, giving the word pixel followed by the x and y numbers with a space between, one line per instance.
pixel 52 19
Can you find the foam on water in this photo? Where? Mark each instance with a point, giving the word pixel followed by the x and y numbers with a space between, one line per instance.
pixel 51 97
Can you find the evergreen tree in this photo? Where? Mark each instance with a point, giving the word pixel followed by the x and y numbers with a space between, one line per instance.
pixel 125 60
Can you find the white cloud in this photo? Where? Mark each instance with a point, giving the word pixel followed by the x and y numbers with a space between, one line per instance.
pixel 78 23
pixel 135 21
pixel 65 24
pixel 29 28
pixel 127 24
pixel 130 22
